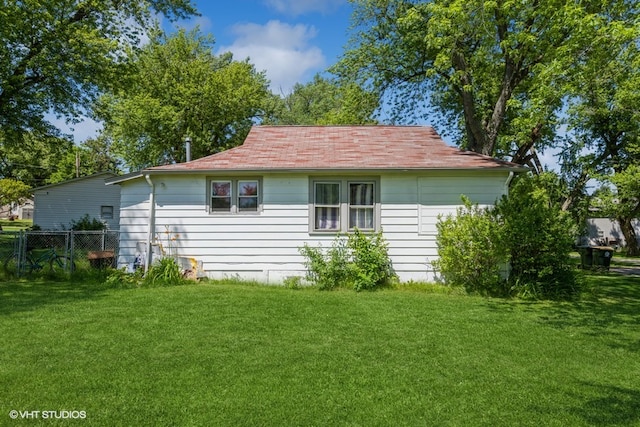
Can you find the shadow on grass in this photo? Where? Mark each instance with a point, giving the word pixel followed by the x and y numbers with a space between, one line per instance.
pixel 612 405
pixel 27 294
pixel 611 306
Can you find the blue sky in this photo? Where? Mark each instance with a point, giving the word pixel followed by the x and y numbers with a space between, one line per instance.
pixel 289 39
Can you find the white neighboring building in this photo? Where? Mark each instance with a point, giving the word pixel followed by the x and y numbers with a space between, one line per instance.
pixel 246 211
pixel 21 211
pixel 56 205
pixel 606 231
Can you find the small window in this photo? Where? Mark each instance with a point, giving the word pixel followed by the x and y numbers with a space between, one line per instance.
pixel 247 196
pixel 234 195
pixel 221 196
pixel 106 212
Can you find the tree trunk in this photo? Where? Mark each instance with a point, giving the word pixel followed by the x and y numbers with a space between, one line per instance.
pixel 629 236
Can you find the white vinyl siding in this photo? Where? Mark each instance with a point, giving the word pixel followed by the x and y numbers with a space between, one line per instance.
pixel 266 246
pixel 411 206
pixel 55 206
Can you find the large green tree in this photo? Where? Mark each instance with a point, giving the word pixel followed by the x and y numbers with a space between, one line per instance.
pixel 57 56
pixel 12 191
pixel 48 160
pixel 35 160
pixel 181 89
pixel 604 140
pixel 324 101
pixel 495 70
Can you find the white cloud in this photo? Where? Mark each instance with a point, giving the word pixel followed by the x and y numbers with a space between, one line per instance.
pixel 300 7
pixel 282 50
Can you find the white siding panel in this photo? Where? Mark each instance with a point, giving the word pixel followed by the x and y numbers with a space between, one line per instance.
pixel 56 206
pixel 410 210
pixel 265 246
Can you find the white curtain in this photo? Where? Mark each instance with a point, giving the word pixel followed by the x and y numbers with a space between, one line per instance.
pixel 361 202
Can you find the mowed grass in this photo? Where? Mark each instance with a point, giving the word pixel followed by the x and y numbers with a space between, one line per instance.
pixel 231 354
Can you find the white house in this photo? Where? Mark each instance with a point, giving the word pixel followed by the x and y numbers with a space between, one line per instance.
pixel 56 205
pixel 246 211
pixel 23 210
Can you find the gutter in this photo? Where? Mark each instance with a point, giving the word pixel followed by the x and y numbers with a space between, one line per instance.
pixel 152 221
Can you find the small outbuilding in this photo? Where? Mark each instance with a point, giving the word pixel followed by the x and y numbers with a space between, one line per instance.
pixel 57 205
pixel 245 212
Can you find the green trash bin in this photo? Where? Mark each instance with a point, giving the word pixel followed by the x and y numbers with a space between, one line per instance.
pixel 586 256
pixel 602 256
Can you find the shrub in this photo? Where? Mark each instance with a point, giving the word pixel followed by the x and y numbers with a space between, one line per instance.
pixel 121 279
pixel 370 265
pixel 539 236
pixel 469 249
pixel 526 230
pixel 329 270
pixel 87 223
pixel 359 261
pixel 164 272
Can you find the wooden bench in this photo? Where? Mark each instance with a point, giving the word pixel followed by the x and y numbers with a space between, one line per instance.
pixel 101 259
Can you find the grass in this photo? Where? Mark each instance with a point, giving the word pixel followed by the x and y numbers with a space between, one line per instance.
pixel 16 225
pixel 8 233
pixel 234 354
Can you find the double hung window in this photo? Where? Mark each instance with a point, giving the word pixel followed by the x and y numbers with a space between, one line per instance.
pixel 361 205
pixel 343 205
pixel 327 206
pixel 234 195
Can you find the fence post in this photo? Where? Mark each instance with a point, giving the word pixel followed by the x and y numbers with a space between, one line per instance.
pixel 71 246
pixel 21 245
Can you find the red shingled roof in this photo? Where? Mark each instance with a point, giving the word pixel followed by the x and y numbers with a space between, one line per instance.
pixel 341 148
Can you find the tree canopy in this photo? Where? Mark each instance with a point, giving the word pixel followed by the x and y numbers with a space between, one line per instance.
pixel 58 56
pixel 604 136
pixel 323 101
pixel 496 70
pixel 12 191
pixel 180 89
pixel 35 160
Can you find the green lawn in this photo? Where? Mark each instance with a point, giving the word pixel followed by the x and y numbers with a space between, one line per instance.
pixel 16 225
pixel 230 354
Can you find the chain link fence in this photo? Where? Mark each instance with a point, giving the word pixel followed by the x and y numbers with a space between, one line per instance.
pixel 27 251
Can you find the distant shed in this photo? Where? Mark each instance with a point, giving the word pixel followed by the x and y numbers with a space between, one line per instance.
pixel 56 205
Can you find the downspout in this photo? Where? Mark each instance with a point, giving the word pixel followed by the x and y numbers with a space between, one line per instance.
pixel 152 222
pixel 509 179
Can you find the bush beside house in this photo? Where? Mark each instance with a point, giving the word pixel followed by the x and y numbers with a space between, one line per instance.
pixel 526 230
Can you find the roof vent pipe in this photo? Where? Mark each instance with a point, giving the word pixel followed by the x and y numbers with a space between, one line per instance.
pixel 187 141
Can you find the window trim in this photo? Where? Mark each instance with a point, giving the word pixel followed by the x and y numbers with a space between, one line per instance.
pixel 104 215
pixel 345 206
pixel 235 195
